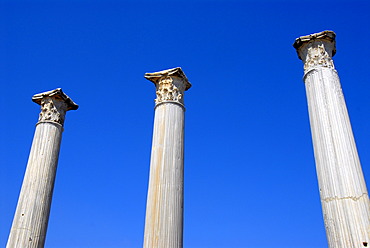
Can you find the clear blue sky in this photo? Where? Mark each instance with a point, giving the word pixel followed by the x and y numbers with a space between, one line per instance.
pixel 250 178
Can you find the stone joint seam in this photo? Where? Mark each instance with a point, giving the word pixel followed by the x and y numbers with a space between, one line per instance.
pixel 316 68
pixel 23 228
pixel 336 198
pixel 53 123
pixel 175 102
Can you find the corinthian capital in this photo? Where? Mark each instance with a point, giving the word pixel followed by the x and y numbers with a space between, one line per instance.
pixel 54 105
pixel 316 50
pixel 170 85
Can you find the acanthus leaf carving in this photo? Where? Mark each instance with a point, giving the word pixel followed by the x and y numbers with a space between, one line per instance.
pixel 168 91
pixel 318 56
pixel 52 110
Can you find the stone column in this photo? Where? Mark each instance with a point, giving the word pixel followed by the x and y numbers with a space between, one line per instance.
pixel 32 214
pixel 344 197
pixel 165 200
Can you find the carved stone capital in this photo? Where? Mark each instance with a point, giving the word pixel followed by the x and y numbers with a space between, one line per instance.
pixel 54 105
pixel 316 50
pixel 170 85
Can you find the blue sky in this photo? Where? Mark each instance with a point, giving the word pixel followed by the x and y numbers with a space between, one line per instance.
pixel 250 177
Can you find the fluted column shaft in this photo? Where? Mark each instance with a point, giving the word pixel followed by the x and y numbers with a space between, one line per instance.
pixel 344 197
pixel 32 214
pixel 165 200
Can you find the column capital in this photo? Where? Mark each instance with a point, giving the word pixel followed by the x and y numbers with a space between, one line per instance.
pixel 316 50
pixel 170 85
pixel 54 105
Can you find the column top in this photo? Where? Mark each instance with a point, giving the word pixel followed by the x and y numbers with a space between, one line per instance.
pixel 178 72
pixel 57 93
pixel 326 35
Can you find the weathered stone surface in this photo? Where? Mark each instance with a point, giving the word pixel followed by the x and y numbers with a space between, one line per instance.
pixel 164 211
pixel 343 192
pixel 32 214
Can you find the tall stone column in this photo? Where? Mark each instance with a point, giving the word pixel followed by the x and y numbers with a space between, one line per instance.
pixel 32 214
pixel 344 197
pixel 165 200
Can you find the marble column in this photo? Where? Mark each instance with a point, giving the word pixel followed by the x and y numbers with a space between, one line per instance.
pixel 32 214
pixel 344 197
pixel 165 200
